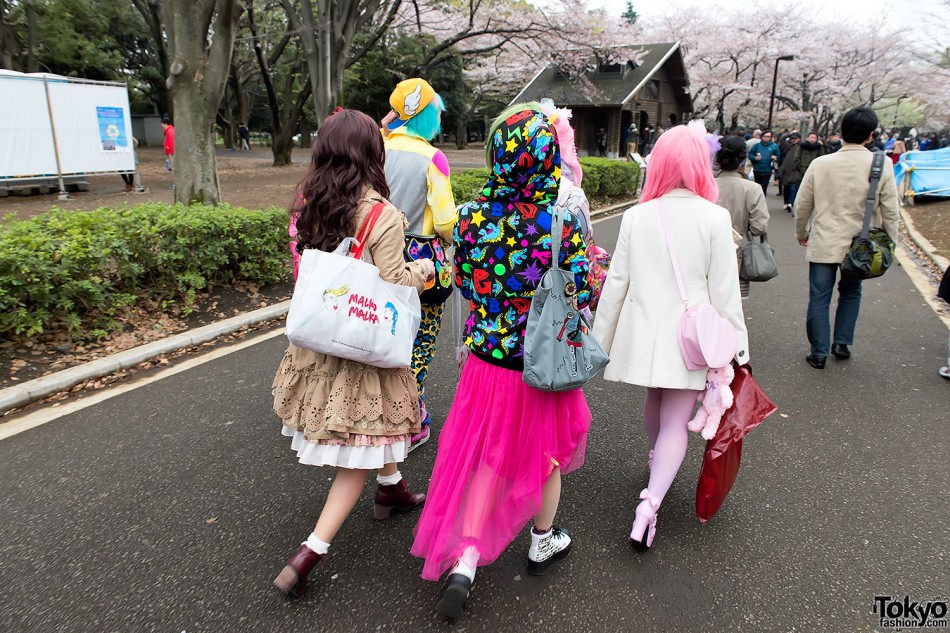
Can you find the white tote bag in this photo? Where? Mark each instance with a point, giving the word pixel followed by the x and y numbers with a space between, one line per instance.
pixel 341 306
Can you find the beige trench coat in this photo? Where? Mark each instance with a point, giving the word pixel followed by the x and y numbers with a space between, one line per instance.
pixel 829 209
pixel 744 201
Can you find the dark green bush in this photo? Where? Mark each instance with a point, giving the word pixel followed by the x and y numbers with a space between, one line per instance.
pixel 610 178
pixel 467 184
pixel 79 269
pixel 604 178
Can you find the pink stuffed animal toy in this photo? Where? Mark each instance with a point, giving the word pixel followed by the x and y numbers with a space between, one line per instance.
pixel 716 400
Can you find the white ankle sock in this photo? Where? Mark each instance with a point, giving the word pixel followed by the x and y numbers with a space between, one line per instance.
pixel 388 480
pixel 315 545
pixel 467 564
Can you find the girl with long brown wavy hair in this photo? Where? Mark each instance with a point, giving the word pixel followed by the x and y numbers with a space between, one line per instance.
pixel 342 413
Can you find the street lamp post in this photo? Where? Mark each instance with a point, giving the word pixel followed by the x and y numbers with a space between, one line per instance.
pixel 897 108
pixel 783 58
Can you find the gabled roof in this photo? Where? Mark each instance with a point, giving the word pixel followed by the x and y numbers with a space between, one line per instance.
pixel 611 89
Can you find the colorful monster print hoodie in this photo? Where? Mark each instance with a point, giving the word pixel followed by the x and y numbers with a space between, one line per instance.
pixel 503 238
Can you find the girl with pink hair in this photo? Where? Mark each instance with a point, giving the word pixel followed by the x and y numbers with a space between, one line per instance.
pixel 640 308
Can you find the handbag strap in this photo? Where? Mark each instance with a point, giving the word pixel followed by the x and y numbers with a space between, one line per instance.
pixel 367 228
pixel 673 258
pixel 557 232
pixel 877 167
pixel 457 322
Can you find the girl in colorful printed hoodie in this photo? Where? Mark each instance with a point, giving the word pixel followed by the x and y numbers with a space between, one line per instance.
pixel 504 444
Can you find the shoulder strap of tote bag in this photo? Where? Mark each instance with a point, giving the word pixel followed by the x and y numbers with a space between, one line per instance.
pixel 877 167
pixel 673 259
pixel 367 228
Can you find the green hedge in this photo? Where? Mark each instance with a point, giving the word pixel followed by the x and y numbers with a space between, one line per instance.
pixel 614 178
pixel 80 269
pixel 604 178
pixel 467 184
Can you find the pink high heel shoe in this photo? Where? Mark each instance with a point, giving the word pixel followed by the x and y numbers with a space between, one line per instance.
pixel 644 524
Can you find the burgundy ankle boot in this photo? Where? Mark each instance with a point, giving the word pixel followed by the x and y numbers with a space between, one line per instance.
pixel 396 498
pixel 293 577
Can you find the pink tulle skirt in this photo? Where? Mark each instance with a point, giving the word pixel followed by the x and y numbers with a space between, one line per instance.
pixel 499 444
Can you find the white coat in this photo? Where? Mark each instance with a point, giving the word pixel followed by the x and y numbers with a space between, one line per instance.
pixel 638 317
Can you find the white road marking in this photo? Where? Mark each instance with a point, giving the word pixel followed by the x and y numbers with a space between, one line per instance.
pixel 922 282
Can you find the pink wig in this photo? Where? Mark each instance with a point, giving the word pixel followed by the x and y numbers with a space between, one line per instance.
pixel 560 118
pixel 565 138
pixel 680 160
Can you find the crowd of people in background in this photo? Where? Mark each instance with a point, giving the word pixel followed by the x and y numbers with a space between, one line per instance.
pixel 783 158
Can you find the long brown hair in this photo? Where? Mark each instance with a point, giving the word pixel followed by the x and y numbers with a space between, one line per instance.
pixel 348 155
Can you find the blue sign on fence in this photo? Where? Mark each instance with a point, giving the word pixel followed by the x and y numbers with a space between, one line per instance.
pixel 112 129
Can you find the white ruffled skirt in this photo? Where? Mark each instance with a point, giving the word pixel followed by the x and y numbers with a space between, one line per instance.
pixel 344 455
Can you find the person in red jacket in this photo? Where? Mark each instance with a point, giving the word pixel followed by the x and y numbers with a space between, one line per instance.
pixel 169 143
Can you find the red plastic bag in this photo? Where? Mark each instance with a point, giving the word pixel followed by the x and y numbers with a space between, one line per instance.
pixel 724 452
pixel 716 478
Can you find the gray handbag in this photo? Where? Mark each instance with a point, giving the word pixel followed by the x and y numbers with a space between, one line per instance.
pixel 560 354
pixel 758 259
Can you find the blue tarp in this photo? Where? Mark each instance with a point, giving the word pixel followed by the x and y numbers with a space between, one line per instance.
pixel 929 172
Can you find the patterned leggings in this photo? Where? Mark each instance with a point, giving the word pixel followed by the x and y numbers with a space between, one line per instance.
pixel 424 349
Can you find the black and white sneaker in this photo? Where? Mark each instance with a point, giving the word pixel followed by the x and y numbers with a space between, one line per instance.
pixel 454 596
pixel 547 550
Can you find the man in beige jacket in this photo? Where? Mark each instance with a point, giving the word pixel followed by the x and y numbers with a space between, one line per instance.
pixel 829 211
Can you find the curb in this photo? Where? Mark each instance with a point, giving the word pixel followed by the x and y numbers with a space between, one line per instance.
pixel 38 388
pixel 924 244
pixel 613 208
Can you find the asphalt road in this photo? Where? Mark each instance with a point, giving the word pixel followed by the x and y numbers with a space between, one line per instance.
pixel 173 506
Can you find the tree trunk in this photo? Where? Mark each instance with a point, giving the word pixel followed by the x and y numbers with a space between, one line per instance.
pixel 283 119
pixel 283 148
pixel 10 48
pixel 328 45
pixel 240 101
pixel 32 63
pixel 196 175
pixel 461 132
pixel 305 141
pixel 196 80
pixel 150 10
pixel 225 120
pixel 317 64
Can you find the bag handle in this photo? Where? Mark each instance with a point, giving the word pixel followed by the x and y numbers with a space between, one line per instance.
pixel 877 167
pixel 367 228
pixel 763 239
pixel 457 323
pixel 557 232
pixel 669 246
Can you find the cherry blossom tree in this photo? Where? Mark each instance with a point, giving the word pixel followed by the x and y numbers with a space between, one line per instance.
pixel 730 56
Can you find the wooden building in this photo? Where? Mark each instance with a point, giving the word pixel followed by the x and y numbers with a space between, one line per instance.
pixel 653 92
